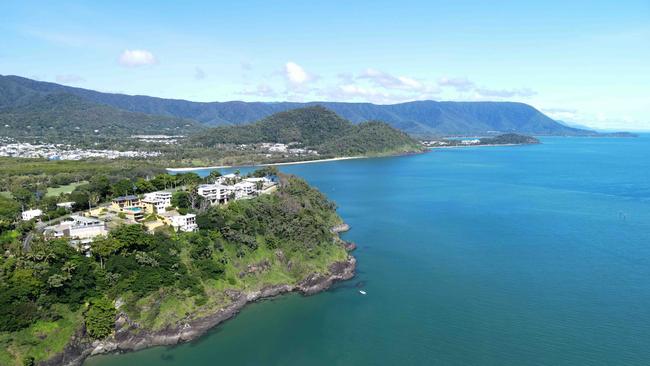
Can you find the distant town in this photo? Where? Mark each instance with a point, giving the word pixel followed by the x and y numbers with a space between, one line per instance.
pixel 11 148
pixel 439 143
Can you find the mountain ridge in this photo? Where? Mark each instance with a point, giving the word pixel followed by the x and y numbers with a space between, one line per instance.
pixel 419 118
pixel 62 116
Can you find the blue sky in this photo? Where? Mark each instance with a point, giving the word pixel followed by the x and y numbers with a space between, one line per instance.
pixel 582 61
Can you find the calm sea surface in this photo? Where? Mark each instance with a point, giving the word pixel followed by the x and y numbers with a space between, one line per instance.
pixel 529 255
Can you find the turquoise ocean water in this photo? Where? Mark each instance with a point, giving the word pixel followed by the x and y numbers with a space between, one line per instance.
pixel 527 255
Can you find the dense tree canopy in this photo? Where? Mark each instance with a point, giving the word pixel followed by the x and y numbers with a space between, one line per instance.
pixel 315 128
pixel 53 279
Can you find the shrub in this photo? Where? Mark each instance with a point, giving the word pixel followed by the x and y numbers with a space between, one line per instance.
pixel 100 318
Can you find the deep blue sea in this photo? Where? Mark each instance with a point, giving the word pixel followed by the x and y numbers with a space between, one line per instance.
pixel 521 255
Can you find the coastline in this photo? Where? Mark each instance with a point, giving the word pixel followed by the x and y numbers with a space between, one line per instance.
pixel 190 169
pixel 466 146
pixel 427 148
pixel 130 337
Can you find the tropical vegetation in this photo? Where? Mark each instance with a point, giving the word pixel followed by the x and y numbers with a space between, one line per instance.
pixel 50 291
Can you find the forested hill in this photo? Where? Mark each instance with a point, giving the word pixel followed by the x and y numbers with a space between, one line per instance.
pixel 424 118
pixel 65 116
pixel 314 128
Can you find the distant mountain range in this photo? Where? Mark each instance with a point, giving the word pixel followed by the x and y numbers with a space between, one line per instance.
pixel 29 111
pixel 144 114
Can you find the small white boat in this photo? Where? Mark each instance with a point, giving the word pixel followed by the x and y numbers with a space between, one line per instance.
pixel 362 292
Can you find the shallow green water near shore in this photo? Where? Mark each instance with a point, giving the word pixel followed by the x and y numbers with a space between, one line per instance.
pixel 527 255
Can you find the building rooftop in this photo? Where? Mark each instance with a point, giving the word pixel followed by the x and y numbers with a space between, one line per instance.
pixel 85 220
pixel 189 215
pixel 125 198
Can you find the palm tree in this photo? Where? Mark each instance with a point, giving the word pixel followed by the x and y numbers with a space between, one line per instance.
pixel 93 199
pixel 69 267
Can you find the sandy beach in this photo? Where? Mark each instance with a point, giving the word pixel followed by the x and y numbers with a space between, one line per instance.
pixel 190 169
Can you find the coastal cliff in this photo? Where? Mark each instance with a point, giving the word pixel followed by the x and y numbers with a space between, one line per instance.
pixel 129 336
pixel 138 287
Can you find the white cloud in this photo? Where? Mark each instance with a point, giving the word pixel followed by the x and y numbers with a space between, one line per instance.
pixel 360 91
pixel 460 84
pixel 69 78
pixel 388 81
pixel 199 74
pixel 376 86
pixel 505 93
pixel 356 92
pixel 135 58
pixel 481 93
pixel 295 74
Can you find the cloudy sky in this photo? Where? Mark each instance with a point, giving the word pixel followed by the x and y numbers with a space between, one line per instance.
pixel 586 62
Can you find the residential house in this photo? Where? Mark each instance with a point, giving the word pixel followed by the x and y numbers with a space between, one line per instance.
pixel 66 205
pixel 215 193
pixel 78 227
pixel 264 180
pixel 130 206
pixel 244 189
pixel 156 202
pixel 120 203
pixel 184 222
pixel 86 227
pixel 228 179
pixel 31 214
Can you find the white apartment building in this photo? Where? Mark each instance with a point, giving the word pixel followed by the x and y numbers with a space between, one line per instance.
pixel 264 180
pixel 31 214
pixel 244 189
pixel 79 227
pixel 184 222
pixel 159 200
pixel 215 193
pixel 227 177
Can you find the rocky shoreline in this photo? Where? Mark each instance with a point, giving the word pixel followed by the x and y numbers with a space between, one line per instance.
pixel 129 337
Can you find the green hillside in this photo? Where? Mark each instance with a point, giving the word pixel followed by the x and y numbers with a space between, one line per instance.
pixel 314 128
pixel 68 117
pixel 370 138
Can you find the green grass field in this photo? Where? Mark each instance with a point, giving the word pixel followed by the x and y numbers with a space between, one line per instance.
pixel 68 188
